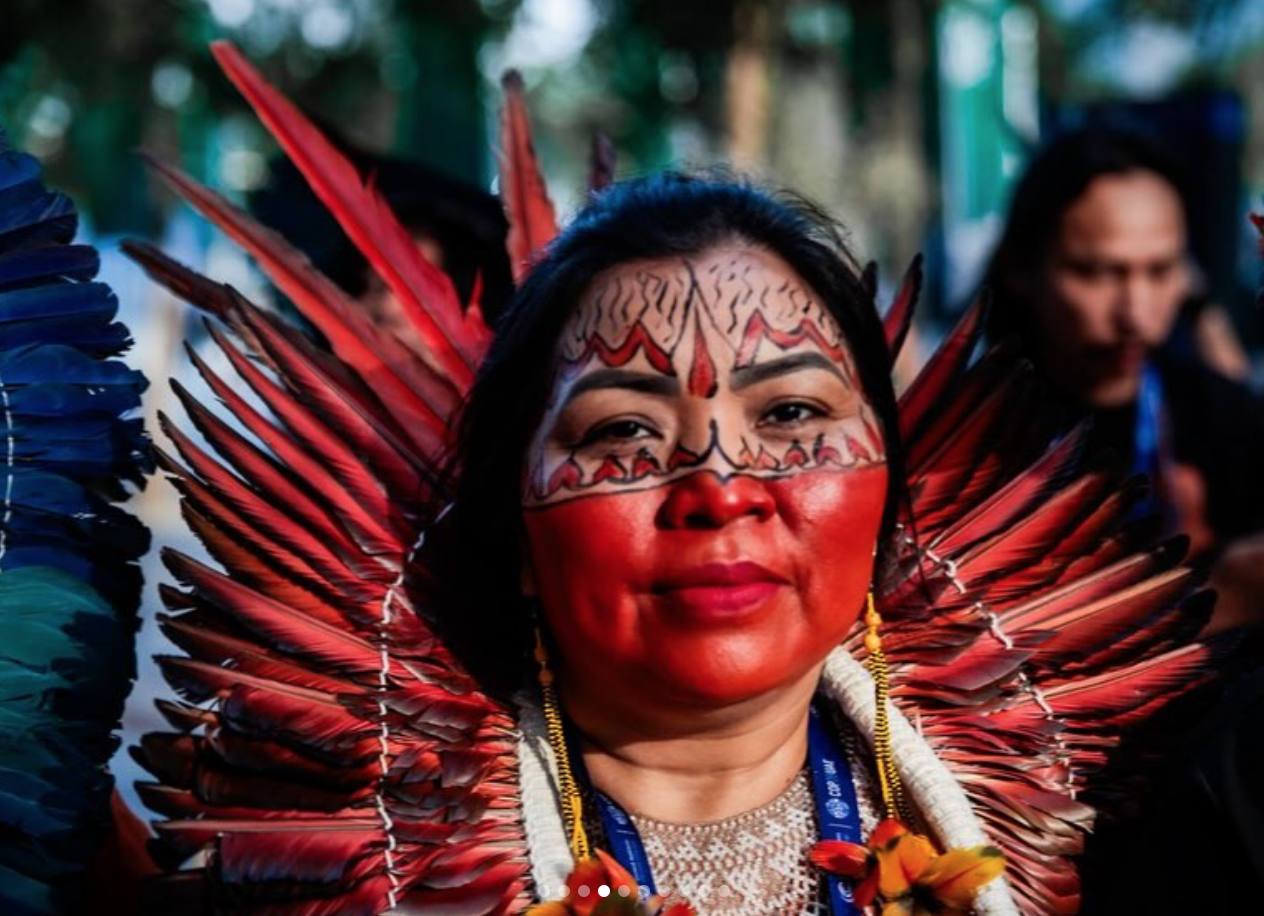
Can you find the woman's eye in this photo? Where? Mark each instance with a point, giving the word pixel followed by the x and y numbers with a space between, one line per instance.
pixel 617 431
pixel 791 413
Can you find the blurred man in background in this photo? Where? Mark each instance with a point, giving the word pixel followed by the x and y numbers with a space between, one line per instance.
pixel 1092 276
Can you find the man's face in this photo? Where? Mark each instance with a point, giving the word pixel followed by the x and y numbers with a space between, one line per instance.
pixel 1113 282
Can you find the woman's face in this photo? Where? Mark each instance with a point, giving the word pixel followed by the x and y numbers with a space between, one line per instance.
pixel 704 493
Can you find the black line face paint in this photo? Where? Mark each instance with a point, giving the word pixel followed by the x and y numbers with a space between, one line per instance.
pixel 724 362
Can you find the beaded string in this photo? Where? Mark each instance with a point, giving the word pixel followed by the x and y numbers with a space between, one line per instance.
pixel 572 800
pixel 893 799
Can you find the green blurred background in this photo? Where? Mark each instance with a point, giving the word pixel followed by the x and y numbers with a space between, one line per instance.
pixel 908 118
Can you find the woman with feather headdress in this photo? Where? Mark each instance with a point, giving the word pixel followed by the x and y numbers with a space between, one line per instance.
pixel 568 616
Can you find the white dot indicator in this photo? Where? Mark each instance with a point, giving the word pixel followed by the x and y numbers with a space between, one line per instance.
pixel 624 890
pixel 603 891
pixel 583 890
pixel 564 890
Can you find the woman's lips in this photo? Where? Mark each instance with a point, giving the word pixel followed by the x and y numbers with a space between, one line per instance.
pixel 718 590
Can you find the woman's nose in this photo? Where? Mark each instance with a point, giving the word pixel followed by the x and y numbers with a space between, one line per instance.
pixel 707 500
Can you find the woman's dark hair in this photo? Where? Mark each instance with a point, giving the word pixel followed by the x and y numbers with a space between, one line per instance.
pixel 1057 176
pixel 478 546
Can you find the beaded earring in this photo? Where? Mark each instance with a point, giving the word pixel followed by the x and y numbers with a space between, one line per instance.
pixel 568 788
pixel 893 799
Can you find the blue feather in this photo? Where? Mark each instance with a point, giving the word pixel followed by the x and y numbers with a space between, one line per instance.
pixel 54 399
pixel 73 262
pixel 31 364
pixel 31 216
pixel 91 302
pixel 69 574
pixel 72 330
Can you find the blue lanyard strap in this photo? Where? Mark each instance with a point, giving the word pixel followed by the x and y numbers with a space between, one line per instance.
pixel 836 812
pixel 624 842
pixel 1148 431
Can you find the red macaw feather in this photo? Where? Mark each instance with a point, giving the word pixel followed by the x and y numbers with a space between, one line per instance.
pixel 250 569
pixel 1024 630
pixel 899 317
pixel 383 444
pixel 532 223
pixel 298 454
pixel 1071 523
pixel 290 714
pixel 214 298
pixel 381 360
pixel 270 757
pixel 982 452
pixel 927 390
pixel 229 786
pixel 310 856
pixel 182 716
pixel 290 562
pixel 340 463
pixel 1128 688
pixel 996 377
pixel 1086 629
pixel 262 516
pixel 987 663
pixel 256 466
pixel 181 804
pixel 847 859
pixel 1085 549
pixel 426 293
pixel 1168 629
pixel 1100 585
pixel 994 518
pixel 281 626
pixel 493 891
pixel 245 656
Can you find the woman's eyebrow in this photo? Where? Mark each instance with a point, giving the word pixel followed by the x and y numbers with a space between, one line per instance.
pixel 627 379
pixel 773 368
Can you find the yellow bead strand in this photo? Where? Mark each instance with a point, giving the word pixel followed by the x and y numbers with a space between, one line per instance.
pixel 572 800
pixel 893 799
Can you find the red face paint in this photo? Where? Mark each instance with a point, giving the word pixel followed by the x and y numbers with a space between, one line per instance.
pixel 706 590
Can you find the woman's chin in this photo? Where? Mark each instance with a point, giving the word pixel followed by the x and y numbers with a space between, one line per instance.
pixel 728 681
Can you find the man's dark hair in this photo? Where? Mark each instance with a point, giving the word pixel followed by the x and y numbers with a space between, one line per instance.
pixel 478 548
pixel 1057 176
pixel 466 222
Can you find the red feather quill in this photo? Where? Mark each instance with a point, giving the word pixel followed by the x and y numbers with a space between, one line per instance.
pixel 532 223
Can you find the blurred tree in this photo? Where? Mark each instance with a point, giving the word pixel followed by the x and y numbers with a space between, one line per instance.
pixel 441 121
pixel 71 76
pixel 84 83
pixel 663 60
